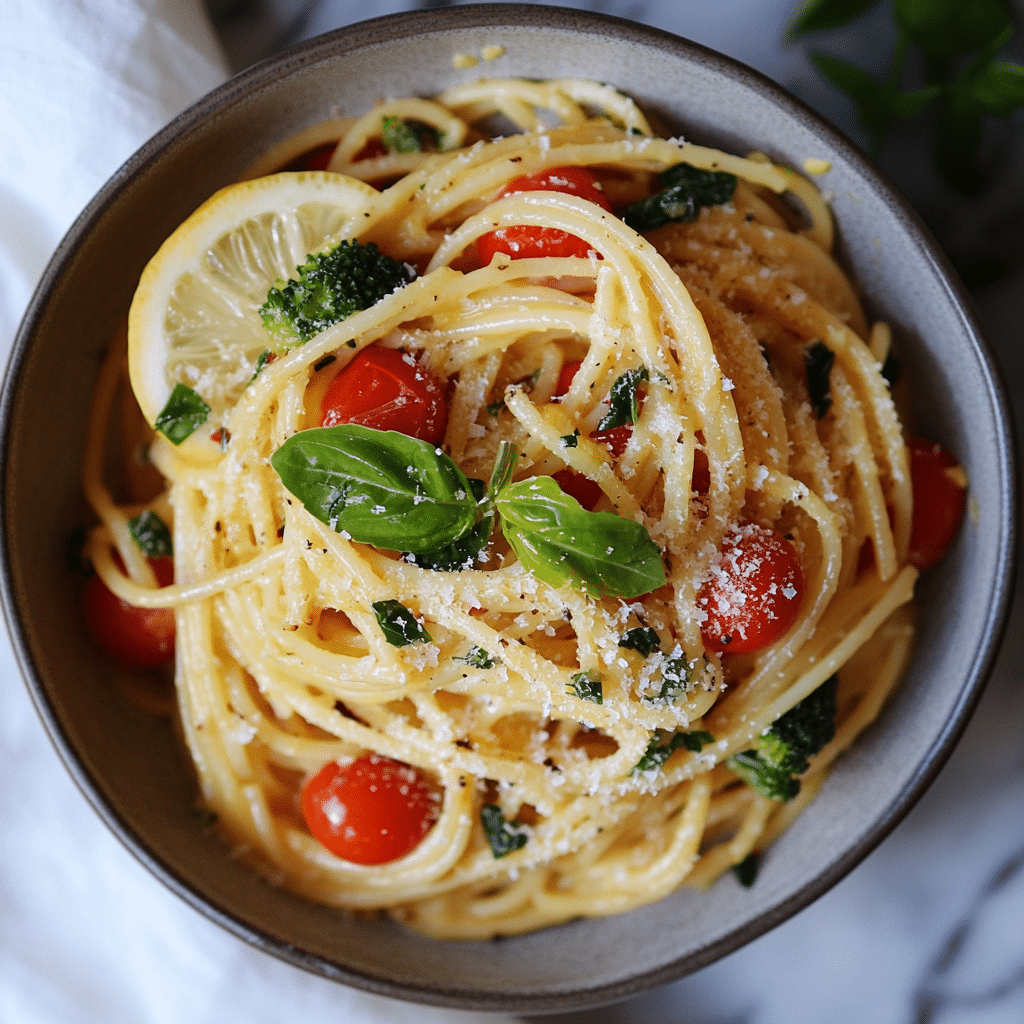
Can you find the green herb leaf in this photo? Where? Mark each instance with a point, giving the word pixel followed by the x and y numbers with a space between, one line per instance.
pixel 399 625
pixel 818 360
pixel 676 677
pixel 746 870
pixel 599 553
pixel 767 779
pixel 266 357
pixel 461 553
pixel 379 487
pixel 504 837
pixel 184 413
pixel 624 405
pixel 816 15
pixel 151 534
pixel 642 639
pixel 688 190
pixel 476 657
pixel 586 686
pixel 571 440
pixel 407 136
pixel 661 748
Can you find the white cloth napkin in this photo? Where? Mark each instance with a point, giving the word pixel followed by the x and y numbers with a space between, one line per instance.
pixel 86 934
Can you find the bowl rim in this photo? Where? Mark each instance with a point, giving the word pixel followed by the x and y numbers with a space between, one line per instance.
pixel 382 30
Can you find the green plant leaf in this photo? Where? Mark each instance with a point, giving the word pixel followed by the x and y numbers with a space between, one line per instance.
pixel 184 413
pixel 586 686
pixel 624 404
pixel 379 487
pixel 642 639
pixel 816 15
pixel 998 88
pixel 599 553
pixel 746 870
pixel 503 837
pixel 152 535
pixel 476 657
pixel 399 625
pixel 688 189
pixel 946 28
pixel 878 103
pixel 661 748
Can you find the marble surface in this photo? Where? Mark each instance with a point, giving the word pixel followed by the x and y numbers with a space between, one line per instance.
pixel 928 930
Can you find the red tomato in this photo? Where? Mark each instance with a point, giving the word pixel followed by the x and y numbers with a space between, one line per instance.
pixel 372 811
pixel 136 637
pixel 315 159
pixel 388 390
pixel 372 149
pixel 565 376
pixel 526 240
pixel 753 593
pixel 939 502
pixel 582 488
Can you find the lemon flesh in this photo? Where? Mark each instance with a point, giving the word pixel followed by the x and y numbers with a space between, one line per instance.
pixel 195 316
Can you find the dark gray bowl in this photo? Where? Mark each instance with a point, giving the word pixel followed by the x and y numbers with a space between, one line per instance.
pixel 129 764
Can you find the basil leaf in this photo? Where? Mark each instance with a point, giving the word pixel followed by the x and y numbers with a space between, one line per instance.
pixel 586 686
pixel 476 657
pixel 660 749
pixel 570 440
pixel 266 357
pixel 461 553
pixel 152 535
pixel 689 189
pixel 623 401
pixel 768 779
pixel 598 553
pixel 818 360
pixel 402 136
pixel 504 837
pixel 184 413
pixel 676 676
pixel 379 487
pixel 816 15
pixel 746 870
pixel 642 639
pixel 399 625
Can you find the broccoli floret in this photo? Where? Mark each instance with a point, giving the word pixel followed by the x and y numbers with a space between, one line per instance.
pixel 330 286
pixel 781 753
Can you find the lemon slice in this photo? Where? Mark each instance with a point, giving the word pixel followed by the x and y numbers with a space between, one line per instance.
pixel 195 316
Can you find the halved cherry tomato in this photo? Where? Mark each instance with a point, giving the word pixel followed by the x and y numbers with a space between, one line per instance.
pixel 939 502
pixel 372 149
pixel 388 390
pixel 753 593
pixel 371 811
pixel 136 637
pixel 523 241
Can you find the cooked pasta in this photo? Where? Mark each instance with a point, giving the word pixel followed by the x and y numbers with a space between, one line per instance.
pixel 580 744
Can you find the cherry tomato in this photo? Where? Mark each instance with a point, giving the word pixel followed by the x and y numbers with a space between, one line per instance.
pixel 136 637
pixel 753 593
pixel 372 811
pixel 315 159
pixel 388 390
pixel 578 486
pixel 372 149
pixel 523 241
pixel 939 502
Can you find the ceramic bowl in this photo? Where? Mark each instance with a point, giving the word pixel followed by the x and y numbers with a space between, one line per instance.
pixel 129 763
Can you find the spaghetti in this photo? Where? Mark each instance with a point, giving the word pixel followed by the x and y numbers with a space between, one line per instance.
pixel 580 746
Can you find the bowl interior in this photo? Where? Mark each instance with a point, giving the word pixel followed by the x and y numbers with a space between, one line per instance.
pixel 129 762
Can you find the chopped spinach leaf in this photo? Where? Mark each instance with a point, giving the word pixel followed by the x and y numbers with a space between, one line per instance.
pixel 642 639
pixel 399 625
pixel 503 837
pixel 818 360
pixel 184 413
pixel 151 534
pixel 586 686
pixel 688 189
pixel 660 748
